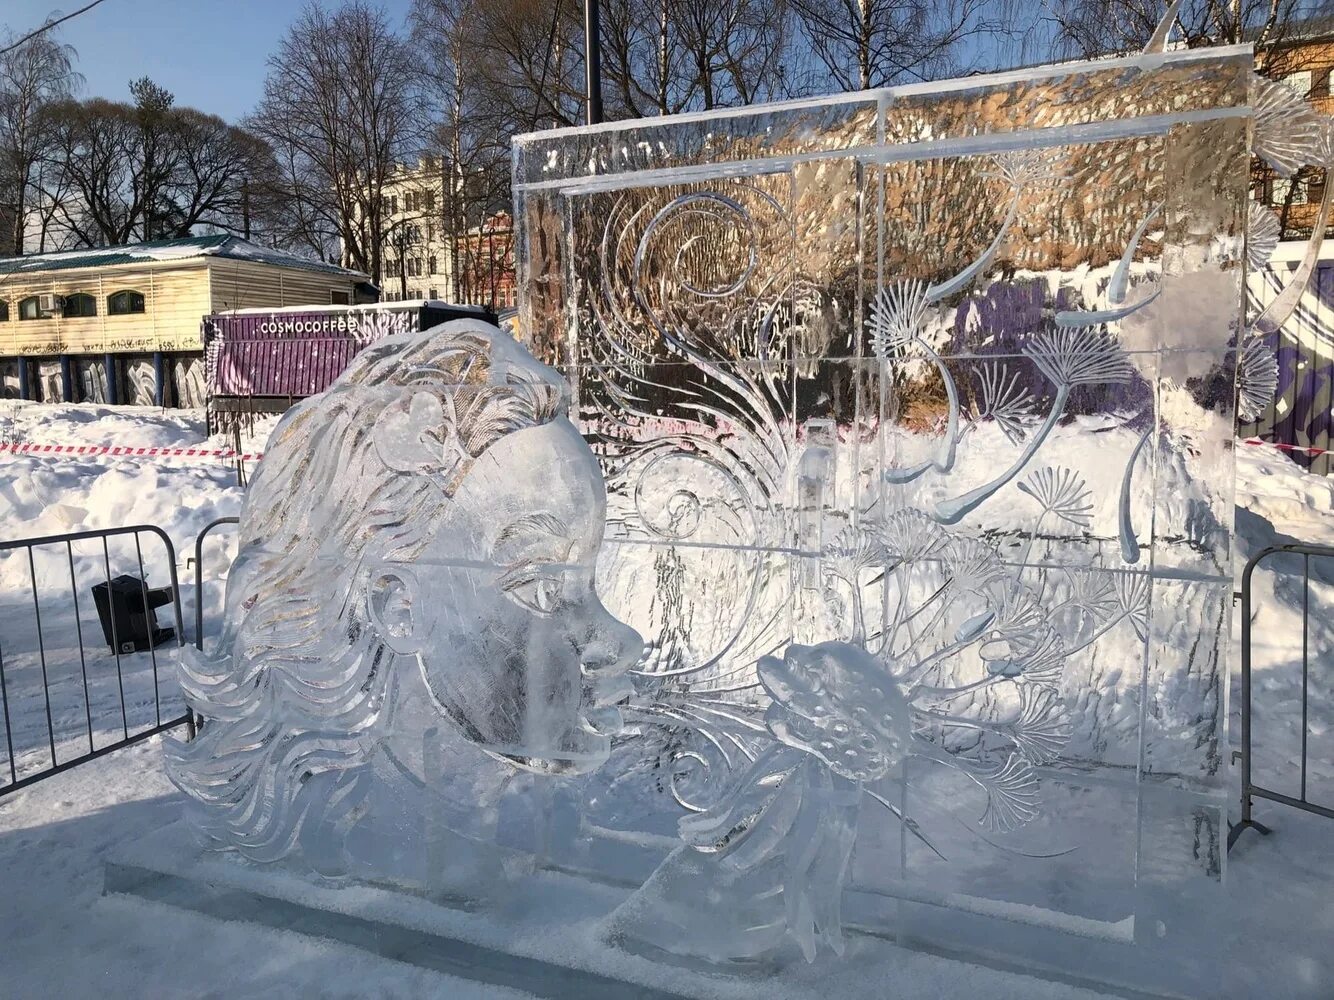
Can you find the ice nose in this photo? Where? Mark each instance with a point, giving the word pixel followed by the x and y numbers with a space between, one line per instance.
pixel 610 649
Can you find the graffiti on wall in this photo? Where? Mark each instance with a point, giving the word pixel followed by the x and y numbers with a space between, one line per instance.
pixel 1299 417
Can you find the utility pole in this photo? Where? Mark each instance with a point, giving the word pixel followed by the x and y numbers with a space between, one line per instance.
pixel 593 61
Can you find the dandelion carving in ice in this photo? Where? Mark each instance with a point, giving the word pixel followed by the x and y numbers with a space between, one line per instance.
pixel 414 582
pixel 1257 380
pixel 1288 131
pixel 1068 357
pixel 965 673
pixel 1262 235
pixel 1004 399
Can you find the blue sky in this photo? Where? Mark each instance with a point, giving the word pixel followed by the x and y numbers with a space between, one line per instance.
pixel 209 53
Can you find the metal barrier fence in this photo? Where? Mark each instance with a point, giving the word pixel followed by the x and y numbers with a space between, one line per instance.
pixel 199 575
pixel 20 674
pixel 1249 789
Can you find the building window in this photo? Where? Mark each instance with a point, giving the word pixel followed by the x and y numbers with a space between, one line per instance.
pixel 430 198
pixel 409 202
pixel 30 308
pixel 339 297
pixel 431 264
pixel 4 311
pixel 79 305
pixel 434 294
pixel 1300 82
pixel 124 303
pixel 1281 186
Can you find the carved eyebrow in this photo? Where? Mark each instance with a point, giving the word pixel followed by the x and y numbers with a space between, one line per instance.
pixel 533 538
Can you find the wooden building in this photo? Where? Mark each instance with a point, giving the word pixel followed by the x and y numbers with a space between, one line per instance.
pixel 123 324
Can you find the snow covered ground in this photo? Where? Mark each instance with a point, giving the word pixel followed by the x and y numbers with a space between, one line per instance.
pixel 59 936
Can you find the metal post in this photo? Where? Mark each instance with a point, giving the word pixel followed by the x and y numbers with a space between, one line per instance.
pixel 1249 789
pixel 593 60
pixel 159 387
pixel 160 725
pixel 113 393
pixel 199 577
pixel 1306 660
pixel 1246 697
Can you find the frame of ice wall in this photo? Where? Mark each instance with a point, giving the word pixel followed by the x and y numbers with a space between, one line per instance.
pixel 784 322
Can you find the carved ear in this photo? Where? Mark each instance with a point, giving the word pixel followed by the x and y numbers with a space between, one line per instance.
pixel 409 434
pixel 389 602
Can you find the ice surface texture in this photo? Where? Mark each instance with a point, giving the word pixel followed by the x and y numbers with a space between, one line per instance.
pixel 412 605
pixel 916 412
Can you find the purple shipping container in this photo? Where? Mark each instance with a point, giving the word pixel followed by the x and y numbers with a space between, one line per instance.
pixel 293 353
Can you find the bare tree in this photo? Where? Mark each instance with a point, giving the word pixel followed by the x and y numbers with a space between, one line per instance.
pixel 341 106
pixel 115 172
pixel 874 43
pixel 471 137
pixel 32 76
pixel 1089 28
pixel 528 55
pixel 668 56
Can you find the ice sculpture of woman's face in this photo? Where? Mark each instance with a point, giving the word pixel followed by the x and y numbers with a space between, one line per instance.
pixel 501 611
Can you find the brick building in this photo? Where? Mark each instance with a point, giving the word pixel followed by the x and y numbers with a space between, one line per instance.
pixel 1304 61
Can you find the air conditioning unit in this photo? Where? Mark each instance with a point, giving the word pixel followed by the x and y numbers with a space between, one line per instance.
pixel 48 303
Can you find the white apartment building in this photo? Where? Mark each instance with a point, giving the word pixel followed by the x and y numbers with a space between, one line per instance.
pixel 416 258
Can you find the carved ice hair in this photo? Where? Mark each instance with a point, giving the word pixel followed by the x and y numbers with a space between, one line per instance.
pixel 299 688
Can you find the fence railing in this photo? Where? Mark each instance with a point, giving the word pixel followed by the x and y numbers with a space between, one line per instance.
pixel 26 694
pixel 199 575
pixel 1249 789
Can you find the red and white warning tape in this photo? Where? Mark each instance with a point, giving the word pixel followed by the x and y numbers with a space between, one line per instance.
pixel 119 451
pixel 1290 447
pixel 228 453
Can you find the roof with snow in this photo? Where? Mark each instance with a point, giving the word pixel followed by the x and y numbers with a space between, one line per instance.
pixel 222 245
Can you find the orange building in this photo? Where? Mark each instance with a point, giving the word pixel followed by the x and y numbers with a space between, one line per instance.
pixel 486 264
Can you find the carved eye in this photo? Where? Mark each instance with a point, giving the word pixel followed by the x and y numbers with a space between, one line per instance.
pixel 539 594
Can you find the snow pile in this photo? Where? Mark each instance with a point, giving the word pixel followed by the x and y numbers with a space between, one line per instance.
pixel 42 495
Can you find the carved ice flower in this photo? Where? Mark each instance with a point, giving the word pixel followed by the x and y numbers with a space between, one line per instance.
pixel 910 536
pixel 897 316
pixel 1080 355
pixel 1257 380
pixel 850 553
pixel 1262 236
pixel 1004 400
pixel 1288 133
pixel 972 564
pixel 1027 168
pixel 1060 491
